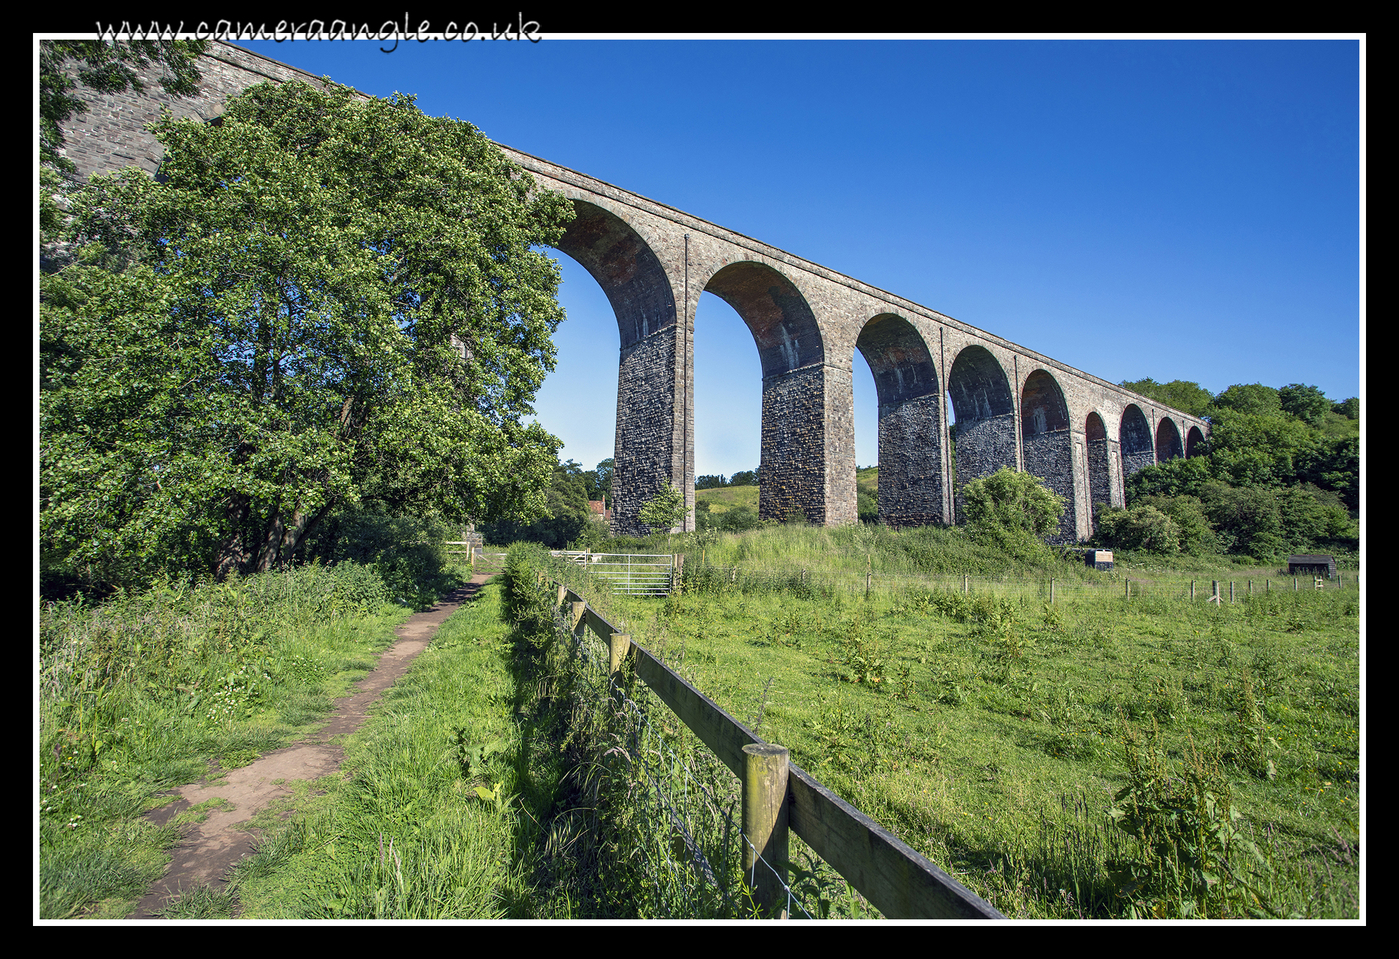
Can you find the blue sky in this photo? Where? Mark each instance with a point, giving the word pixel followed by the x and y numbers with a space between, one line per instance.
pixel 1173 209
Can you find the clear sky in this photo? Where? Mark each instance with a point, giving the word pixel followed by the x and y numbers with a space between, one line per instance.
pixel 1173 209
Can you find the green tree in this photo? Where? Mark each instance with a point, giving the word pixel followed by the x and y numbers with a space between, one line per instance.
pixel 1249 398
pixel 666 510
pixel 1307 403
pixel 1143 527
pixel 1182 395
pixel 601 484
pixel 1350 408
pixel 1012 508
pixel 323 301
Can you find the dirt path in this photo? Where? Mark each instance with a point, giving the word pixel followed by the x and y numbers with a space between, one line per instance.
pixel 209 849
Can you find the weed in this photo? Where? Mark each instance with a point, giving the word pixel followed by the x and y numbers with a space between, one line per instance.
pixel 1192 859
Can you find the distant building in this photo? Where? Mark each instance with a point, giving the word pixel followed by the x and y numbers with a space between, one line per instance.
pixel 597 510
pixel 1312 564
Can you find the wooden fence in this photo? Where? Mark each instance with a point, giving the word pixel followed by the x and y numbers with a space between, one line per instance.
pixel 896 879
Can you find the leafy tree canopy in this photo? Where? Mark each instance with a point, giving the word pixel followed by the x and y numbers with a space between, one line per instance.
pixel 1182 395
pixel 1307 403
pixel 666 510
pixel 1249 398
pixel 1350 408
pixel 323 301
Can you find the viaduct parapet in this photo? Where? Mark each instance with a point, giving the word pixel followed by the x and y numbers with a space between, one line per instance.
pixel 1011 406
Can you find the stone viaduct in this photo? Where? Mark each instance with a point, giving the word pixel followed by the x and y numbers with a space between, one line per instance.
pixel 1010 406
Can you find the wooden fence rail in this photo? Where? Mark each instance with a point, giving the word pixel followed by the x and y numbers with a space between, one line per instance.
pixel 900 882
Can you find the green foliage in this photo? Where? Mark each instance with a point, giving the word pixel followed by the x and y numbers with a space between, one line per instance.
pixel 666 510
pixel 1182 395
pixel 1143 528
pixel 565 518
pixel 735 519
pixel 321 302
pixel 1013 509
pixel 867 506
pixel 1307 403
pixel 1193 859
pixel 1251 398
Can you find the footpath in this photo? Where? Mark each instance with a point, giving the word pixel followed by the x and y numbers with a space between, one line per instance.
pixel 208 850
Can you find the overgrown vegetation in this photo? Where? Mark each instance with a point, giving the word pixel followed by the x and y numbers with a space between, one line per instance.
pixel 150 690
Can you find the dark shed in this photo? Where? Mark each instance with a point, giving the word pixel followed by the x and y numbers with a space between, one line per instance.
pixel 1312 564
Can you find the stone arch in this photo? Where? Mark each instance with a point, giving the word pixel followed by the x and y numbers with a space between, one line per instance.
pixel 1099 463
pixel 910 425
pixel 1168 445
pixel 1138 450
pixel 640 291
pixel 1194 440
pixel 1047 441
pixel 792 469
pixel 984 408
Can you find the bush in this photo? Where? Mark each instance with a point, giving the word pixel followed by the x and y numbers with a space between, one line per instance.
pixel 1013 510
pixel 1142 528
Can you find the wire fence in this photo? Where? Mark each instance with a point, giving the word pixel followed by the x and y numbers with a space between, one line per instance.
pixel 1133 584
pixel 692 843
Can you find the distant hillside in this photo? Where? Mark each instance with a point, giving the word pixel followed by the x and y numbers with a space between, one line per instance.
pixel 726 498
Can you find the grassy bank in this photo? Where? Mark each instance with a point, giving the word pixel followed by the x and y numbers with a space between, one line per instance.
pixel 147 692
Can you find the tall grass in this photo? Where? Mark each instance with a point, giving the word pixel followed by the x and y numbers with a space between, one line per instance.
pixel 147 691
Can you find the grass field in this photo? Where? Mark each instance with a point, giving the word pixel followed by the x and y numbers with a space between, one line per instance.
pixel 1078 760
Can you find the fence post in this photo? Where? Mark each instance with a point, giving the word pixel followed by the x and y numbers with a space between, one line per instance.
pixel 1231 592
pixel 576 617
pixel 1126 588
pixel 617 646
pixel 765 826
pixel 1192 591
pixel 1051 591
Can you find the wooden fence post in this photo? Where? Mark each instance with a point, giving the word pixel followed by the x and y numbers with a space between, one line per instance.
pixel 1231 592
pixel 617 646
pixel 1192 591
pixel 1051 591
pixel 1126 588
pixel 765 826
